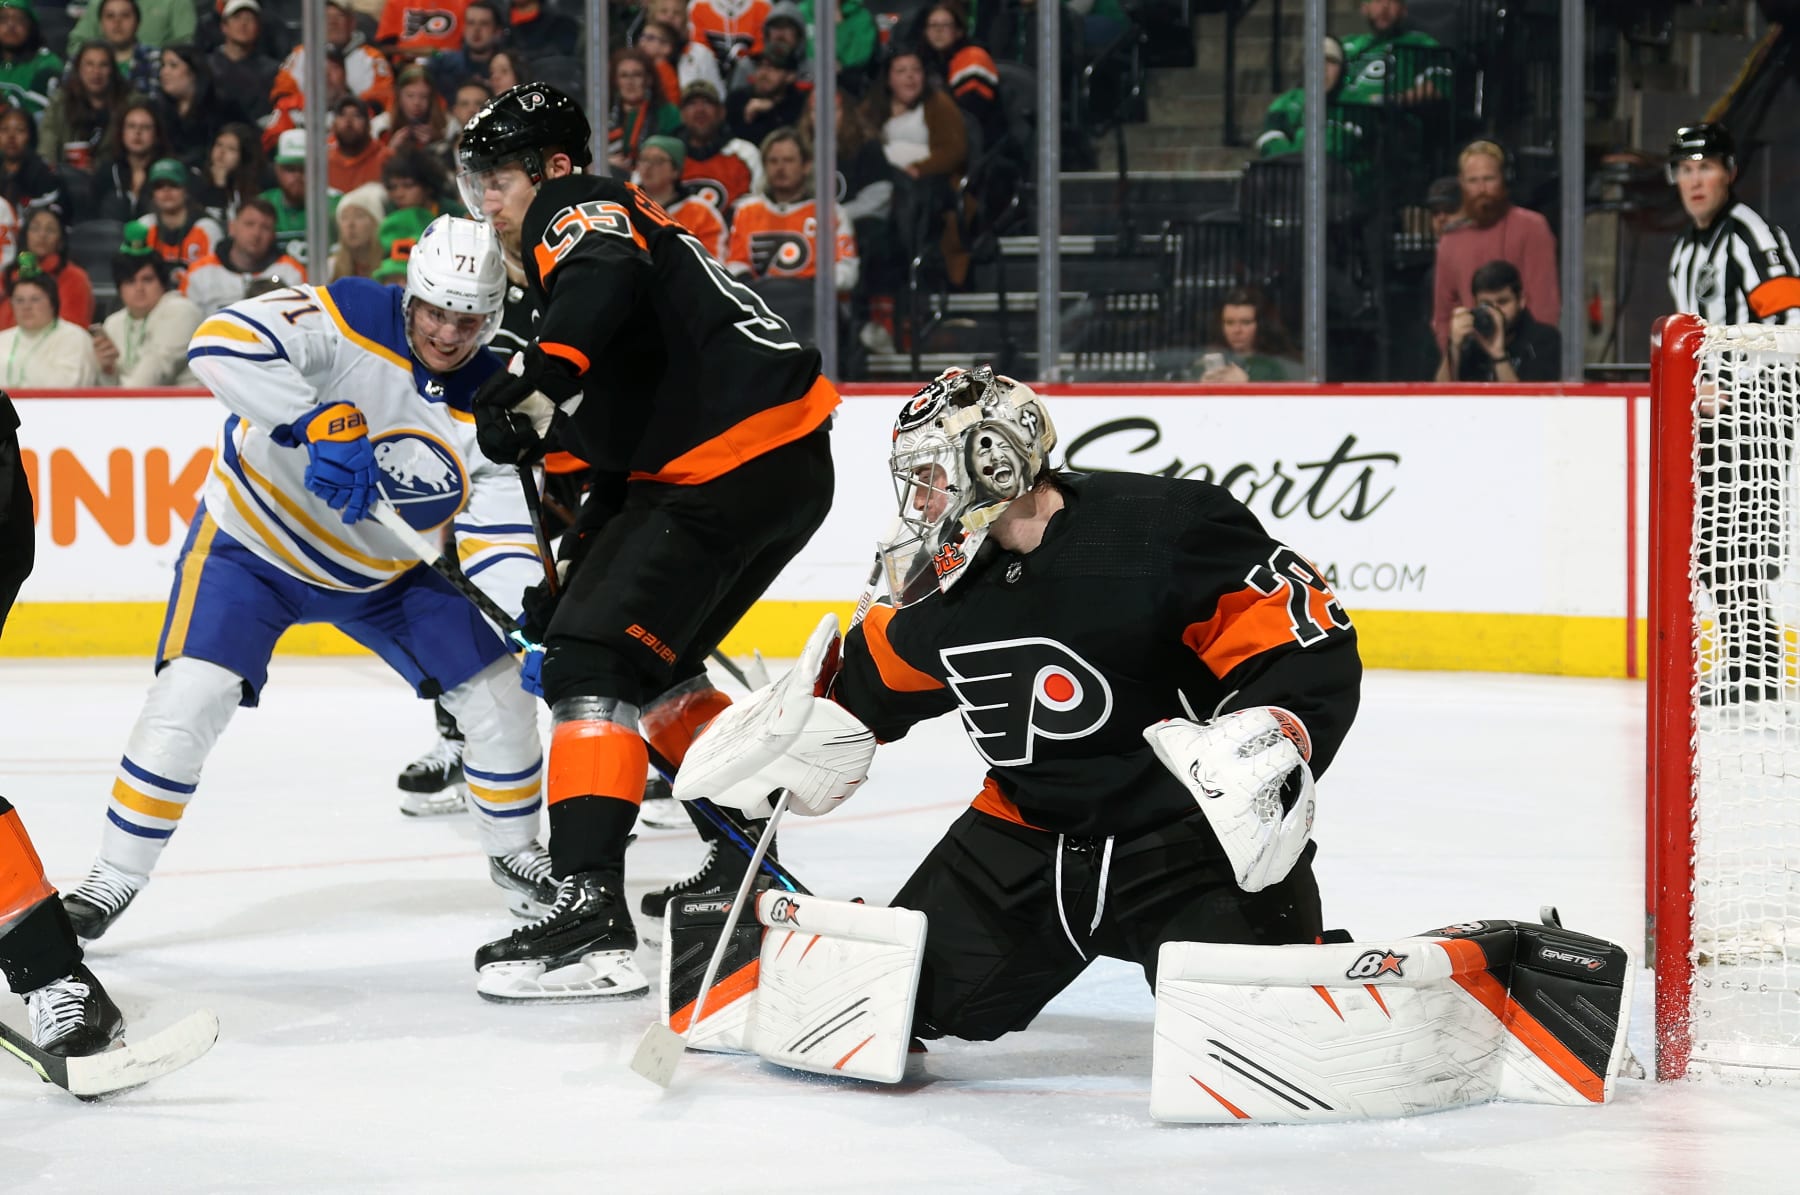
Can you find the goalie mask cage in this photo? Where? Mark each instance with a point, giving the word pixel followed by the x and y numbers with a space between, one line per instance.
pixel 1723 857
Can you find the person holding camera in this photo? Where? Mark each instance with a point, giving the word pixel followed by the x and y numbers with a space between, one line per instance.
pixel 1497 340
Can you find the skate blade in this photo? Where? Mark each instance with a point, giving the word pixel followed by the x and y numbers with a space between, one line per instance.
pixel 650 929
pixel 524 907
pixel 437 804
pixel 601 975
pixel 663 813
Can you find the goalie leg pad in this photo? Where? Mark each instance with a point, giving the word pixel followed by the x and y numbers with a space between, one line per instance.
pixel 503 761
pixel 694 925
pixel 836 986
pixel 1379 1029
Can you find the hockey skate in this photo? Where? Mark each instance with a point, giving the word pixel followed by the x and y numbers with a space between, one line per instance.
pixel 98 900
pixel 721 871
pixel 581 950
pixel 660 810
pixel 432 784
pixel 525 877
pixel 73 1016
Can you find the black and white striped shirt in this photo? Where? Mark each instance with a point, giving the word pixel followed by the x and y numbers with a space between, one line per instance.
pixel 1740 270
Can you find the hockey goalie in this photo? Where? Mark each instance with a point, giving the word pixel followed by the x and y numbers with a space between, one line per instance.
pixel 1155 685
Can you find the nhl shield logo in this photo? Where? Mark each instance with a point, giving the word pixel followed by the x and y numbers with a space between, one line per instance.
pixel 421 477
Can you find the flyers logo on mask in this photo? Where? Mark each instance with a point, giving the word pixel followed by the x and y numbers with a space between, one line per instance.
pixel 1018 692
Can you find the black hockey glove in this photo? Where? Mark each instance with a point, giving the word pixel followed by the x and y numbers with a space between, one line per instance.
pixel 514 409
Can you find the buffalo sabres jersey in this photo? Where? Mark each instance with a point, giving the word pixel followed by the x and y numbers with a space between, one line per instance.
pixel 272 359
pixel 1149 598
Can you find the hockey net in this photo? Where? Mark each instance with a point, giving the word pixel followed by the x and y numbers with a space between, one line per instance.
pixel 1724 717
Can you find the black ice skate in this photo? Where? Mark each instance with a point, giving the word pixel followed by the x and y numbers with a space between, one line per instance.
pixel 721 871
pixel 581 950
pixel 99 899
pixel 525 877
pixel 73 1016
pixel 433 783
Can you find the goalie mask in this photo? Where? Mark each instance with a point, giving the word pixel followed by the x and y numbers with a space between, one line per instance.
pixel 965 448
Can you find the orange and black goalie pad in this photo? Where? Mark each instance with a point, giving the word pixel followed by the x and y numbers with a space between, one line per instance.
pixel 23 885
pixel 694 926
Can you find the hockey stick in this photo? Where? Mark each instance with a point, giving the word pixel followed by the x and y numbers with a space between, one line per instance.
pixel 91 1076
pixel 659 1051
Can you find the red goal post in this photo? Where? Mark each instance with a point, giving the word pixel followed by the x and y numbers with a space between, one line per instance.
pixel 1723 768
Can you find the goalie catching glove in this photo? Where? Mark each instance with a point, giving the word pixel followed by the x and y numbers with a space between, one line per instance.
pixel 1248 772
pixel 784 735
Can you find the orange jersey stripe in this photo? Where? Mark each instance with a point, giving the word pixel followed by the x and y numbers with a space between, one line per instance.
pixel 750 438
pixel 573 356
pixel 896 673
pixel 564 462
pixel 1248 623
pixel 22 882
pixel 991 801
pixel 596 759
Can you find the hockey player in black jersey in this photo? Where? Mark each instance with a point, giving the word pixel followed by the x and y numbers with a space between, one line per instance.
pixel 705 421
pixel 1152 679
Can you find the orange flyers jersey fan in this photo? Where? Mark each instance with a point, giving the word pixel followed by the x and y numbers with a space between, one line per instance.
pixel 698 215
pixel 365 70
pixel 726 176
pixel 775 240
pixel 972 71
pixel 730 28
pixel 1149 597
pixel 685 371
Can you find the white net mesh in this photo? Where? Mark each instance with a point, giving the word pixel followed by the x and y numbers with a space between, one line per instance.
pixel 1745 1011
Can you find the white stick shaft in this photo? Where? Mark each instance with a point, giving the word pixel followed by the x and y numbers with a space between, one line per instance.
pixel 737 907
pixel 417 544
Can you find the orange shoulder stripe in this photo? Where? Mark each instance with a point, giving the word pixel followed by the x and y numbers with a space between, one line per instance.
pixel 1246 624
pixel 896 674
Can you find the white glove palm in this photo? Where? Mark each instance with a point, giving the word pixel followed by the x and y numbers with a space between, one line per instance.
pixel 1248 773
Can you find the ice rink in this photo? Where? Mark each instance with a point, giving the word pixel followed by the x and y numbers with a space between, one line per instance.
pixel 334 937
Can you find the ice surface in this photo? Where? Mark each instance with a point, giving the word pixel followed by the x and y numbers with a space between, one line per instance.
pixel 334 939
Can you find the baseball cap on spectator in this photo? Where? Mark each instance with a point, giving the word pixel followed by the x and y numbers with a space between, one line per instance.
pixel 290 148
pixel 670 145
pixel 788 11
pixel 234 6
pixel 701 89
pixel 780 57
pixel 168 170
pixel 1334 50
pixel 1444 195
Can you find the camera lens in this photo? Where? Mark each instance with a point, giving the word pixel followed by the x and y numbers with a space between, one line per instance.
pixel 1484 322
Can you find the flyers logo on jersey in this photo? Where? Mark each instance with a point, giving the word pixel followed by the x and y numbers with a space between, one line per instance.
pixel 434 22
pixel 780 254
pixel 1018 691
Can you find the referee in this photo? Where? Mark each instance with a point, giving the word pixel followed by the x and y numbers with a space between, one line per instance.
pixel 1734 267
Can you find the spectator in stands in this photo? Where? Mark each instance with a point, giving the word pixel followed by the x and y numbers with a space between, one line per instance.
pixel 1248 342
pixel 467 102
pixel 770 102
pixel 659 165
pixel 354 157
pixel 1346 135
pixel 922 136
pixel 542 33
pixel 678 62
pixel 731 29
pixel 421 122
pixel 419 28
pixel 25 178
pixel 47 239
pixel 857 35
pixel 145 342
pixel 774 234
pixel 191 109
pixel 1374 58
pixel 482 32
pixel 28 70
pixel 1494 230
pixel 74 124
pixel 288 196
pixel 235 171
pixel 865 199
pixel 249 253
pixel 177 230
pixel 783 29
pixel 963 68
pixel 366 71
pixel 638 108
pixel 239 66
pixel 1497 340
pixel 41 350
pixel 160 23
pixel 506 70
pixel 1443 200
pixel 722 167
pixel 414 184
pixel 141 64
pixel 359 216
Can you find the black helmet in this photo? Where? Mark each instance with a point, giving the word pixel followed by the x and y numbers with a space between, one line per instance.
pixel 519 125
pixel 1705 140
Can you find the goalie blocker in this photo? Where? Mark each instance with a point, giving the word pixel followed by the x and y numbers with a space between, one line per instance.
pixel 1476 1011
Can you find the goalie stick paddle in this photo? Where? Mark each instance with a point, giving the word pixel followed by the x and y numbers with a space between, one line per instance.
pixel 659 1051
pixel 130 1065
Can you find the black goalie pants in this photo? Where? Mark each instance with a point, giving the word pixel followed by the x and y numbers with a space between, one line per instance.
pixel 1015 914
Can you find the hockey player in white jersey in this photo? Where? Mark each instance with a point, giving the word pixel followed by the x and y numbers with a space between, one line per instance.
pixel 342 397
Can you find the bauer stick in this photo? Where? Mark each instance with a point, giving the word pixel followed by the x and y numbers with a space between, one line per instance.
pixel 660 1050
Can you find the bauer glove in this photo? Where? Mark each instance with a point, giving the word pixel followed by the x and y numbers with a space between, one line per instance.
pixel 340 467
pixel 514 409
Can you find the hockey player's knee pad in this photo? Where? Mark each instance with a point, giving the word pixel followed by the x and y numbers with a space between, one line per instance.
pixel 596 750
pixel 188 707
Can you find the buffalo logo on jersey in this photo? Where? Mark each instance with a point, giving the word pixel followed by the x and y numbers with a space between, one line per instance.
pixel 1018 691
pixel 778 253
pixel 420 477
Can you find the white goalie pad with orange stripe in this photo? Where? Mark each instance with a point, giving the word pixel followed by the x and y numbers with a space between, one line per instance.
pixel 836 985
pixel 1473 1012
